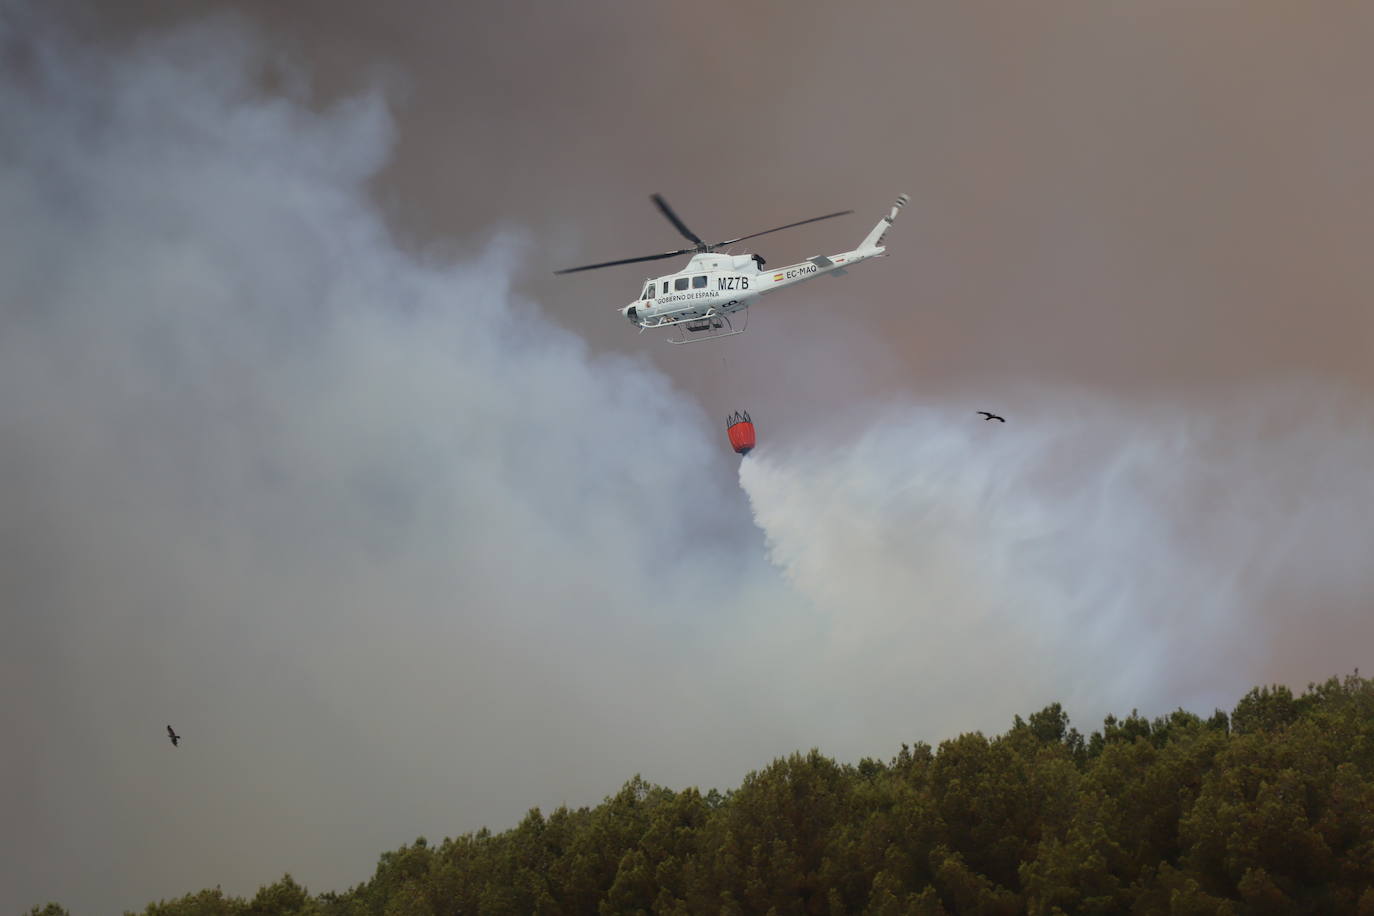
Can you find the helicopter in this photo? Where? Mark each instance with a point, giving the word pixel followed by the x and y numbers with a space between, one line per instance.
pixel 696 302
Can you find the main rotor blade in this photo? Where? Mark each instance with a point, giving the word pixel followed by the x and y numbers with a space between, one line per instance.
pixel 814 219
pixel 672 218
pixel 647 257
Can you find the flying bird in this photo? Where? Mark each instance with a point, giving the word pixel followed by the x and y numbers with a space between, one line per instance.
pixel 173 735
pixel 992 416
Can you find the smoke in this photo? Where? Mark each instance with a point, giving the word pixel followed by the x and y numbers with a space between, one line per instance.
pixel 1086 550
pixel 393 553
pixel 398 555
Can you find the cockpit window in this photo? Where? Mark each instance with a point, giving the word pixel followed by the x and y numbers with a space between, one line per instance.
pixel 699 282
pixel 680 283
pixel 648 292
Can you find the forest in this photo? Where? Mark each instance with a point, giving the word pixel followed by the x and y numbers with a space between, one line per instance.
pixel 1269 809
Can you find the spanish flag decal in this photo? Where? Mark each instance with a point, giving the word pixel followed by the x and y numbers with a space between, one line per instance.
pixel 777 277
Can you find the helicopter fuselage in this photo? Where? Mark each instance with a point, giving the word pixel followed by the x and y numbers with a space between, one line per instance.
pixel 711 282
pixel 719 284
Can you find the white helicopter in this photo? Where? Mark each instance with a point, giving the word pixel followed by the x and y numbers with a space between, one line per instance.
pixel 698 300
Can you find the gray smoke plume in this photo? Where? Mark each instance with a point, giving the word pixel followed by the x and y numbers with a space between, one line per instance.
pixel 392 553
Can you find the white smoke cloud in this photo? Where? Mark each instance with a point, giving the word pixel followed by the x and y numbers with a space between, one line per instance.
pixel 1105 554
pixel 398 556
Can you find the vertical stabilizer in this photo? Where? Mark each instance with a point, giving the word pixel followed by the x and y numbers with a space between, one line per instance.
pixel 875 238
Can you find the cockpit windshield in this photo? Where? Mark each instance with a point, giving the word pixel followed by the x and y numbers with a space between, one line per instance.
pixel 648 292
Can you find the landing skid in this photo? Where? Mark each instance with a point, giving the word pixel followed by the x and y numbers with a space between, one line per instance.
pixel 711 327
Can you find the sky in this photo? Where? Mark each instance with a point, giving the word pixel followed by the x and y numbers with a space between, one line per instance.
pixel 305 450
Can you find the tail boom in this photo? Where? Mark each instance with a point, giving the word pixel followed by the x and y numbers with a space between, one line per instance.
pixel 870 247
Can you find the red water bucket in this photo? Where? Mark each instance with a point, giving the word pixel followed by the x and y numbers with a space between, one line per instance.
pixel 741 431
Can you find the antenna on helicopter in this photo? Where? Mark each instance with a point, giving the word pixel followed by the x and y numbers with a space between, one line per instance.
pixel 700 246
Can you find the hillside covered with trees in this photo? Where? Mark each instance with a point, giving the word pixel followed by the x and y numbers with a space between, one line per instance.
pixel 1267 810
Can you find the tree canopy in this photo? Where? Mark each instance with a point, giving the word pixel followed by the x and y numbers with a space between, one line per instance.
pixel 1267 810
